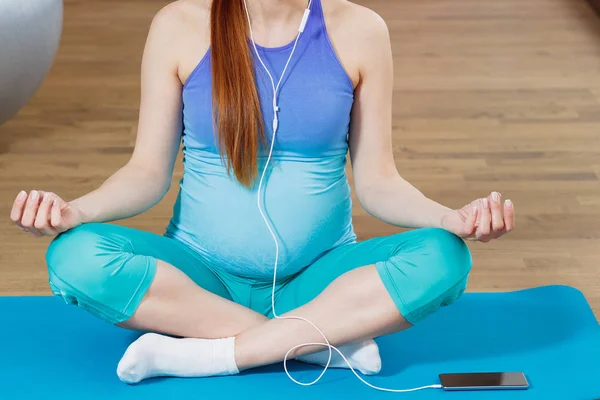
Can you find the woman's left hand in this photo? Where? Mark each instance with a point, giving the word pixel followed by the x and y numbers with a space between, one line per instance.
pixel 482 220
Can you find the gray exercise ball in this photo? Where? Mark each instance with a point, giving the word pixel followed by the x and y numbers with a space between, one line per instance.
pixel 29 35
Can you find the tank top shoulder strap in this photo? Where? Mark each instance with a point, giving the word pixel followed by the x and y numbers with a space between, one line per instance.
pixel 316 21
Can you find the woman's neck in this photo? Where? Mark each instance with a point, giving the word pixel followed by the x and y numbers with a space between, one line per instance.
pixel 275 12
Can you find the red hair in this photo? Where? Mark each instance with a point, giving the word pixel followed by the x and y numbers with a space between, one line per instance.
pixel 236 103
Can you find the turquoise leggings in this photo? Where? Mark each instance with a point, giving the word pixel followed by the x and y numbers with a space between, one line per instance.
pixel 107 269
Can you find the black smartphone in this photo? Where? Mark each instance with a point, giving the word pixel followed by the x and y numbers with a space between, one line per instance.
pixel 484 381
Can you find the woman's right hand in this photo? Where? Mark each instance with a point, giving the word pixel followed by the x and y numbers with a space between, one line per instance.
pixel 44 213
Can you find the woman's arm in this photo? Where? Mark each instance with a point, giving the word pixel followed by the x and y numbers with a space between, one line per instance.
pixel 145 179
pixel 378 185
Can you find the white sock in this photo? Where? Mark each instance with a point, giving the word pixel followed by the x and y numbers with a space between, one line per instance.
pixel 155 355
pixel 363 356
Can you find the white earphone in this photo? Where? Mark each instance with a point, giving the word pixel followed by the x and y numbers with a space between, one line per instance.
pixel 260 209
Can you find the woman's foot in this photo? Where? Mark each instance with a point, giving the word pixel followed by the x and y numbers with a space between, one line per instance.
pixel 363 356
pixel 155 355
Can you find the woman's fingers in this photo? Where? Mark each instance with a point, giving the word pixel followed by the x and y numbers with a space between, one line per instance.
pixel 61 203
pixel 30 212
pixel 33 212
pixel 56 220
pixel 470 223
pixel 509 215
pixel 497 213
pixel 493 219
pixel 483 229
pixel 42 220
pixel 16 213
pixel 55 214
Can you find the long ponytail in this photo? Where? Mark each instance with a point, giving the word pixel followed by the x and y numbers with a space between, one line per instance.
pixel 236 103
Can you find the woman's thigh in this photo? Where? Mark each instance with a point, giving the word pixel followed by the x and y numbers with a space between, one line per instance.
pixel 108 269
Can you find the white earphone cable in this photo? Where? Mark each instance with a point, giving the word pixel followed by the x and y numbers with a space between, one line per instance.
pixel 269 227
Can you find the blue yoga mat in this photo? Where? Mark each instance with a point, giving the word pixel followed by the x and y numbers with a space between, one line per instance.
pixel 53 351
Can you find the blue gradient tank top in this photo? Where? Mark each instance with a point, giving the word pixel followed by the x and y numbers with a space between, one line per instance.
pixel 306 192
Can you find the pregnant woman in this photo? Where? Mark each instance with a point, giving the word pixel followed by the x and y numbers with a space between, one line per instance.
pixel 203 289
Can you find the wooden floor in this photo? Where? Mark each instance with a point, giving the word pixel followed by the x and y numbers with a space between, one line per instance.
pixel 489 95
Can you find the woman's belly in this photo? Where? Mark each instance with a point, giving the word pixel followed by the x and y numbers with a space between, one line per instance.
pixel 307 202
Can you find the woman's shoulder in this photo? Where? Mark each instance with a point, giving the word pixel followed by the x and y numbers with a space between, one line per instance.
pixel 183 15
pixel 183 11
pixel 184 26
pixel 357 33
pixel 351 17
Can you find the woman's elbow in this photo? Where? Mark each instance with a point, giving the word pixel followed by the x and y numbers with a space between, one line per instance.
pixel 368 193
pixel 159 179
pixel 372 186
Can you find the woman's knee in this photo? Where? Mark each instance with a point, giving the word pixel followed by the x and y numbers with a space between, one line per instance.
pixel 428 273
pixel 95 267
pixel 74 259
pixel 451 258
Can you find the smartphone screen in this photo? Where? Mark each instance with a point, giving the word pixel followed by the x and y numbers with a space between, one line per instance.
pixel 484 381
